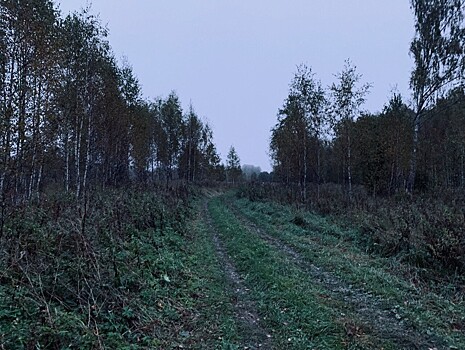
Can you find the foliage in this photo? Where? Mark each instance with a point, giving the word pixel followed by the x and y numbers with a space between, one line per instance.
pixel 426 231
pixel 233 166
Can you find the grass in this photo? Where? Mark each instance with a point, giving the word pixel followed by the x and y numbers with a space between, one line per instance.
pixel 215 326
pixel 295 310
pixel 140 271
pixel 328 245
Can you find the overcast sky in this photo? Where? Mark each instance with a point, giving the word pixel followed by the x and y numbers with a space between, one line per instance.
pixel 235 59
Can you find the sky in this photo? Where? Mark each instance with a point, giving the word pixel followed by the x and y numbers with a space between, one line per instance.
pixel 234 60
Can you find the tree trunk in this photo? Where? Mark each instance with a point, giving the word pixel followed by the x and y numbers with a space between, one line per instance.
pixel 77 154
pixel 318 175
pixel 391 180
pixel 39 181
pixel 413 159
pixel 304 187
pixel 462 170
pixel 3 173
pixel 349 164
pixel 87 161
pixel 67 171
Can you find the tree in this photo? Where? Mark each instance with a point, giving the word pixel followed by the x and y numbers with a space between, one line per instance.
pixel 86 60
pixel 397 136
pixel 297 135
pixel 29 77
pixel 264 176
pixel 310 97
pixel 285 145
pixel 348 97
pixel 233 166
pixel 211 169
pixel 138 120
pixel 172 123
pixel 441 144
pixel 190 161
pixel 439 57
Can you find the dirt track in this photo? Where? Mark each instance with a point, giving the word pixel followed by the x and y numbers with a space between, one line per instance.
pixel 377 315
pixel 245 310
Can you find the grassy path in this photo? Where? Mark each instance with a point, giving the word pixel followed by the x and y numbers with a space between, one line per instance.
pixel 299 313
pixel 253 336
pixel 375 312
pixel 293 289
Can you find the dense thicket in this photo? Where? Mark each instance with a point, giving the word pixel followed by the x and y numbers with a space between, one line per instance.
pixel 113 272
pixel 74 118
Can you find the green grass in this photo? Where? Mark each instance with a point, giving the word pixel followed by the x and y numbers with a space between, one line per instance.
pixel 328 245
pixel 296 311
pixel 215 326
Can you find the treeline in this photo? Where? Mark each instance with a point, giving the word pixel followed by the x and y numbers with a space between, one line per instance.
pixel 383 144
pixel 374 150
pixel 73 118
pixel 324 136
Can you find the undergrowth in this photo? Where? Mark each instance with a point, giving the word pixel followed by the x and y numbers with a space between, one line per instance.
pixel 426 230
pixel 108 272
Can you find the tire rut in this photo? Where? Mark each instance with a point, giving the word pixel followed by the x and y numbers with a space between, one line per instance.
pixel 245 311
pixel 374 312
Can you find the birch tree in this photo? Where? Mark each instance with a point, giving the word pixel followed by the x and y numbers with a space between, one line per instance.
pixel 439 57
pixel 309 95
pixel 347 98
pixel 297 137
